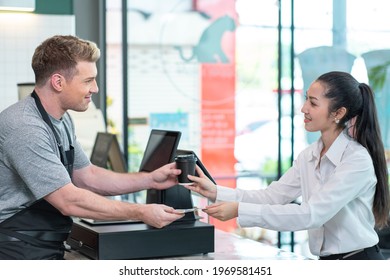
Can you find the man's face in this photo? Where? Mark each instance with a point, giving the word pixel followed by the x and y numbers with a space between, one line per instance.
pixel 77 92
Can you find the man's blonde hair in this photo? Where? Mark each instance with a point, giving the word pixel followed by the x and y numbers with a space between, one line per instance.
pixel 61 54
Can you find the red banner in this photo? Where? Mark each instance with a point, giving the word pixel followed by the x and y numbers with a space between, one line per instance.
pixel 216 52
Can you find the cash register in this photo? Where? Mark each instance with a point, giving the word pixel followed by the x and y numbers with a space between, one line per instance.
pixel 112 240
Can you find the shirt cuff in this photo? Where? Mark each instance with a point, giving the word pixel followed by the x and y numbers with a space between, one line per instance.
pixel 226 194
pixel 249 214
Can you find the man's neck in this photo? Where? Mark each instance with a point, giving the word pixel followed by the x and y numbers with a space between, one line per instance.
pixel 50 103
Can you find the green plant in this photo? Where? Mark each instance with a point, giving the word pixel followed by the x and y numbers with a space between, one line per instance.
pixel 269 169
pixel 377 76
pixel 135 152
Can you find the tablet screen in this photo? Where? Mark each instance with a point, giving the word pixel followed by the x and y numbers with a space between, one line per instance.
pixel 160 149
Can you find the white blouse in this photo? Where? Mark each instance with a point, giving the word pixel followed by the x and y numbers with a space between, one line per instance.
pixel 337 193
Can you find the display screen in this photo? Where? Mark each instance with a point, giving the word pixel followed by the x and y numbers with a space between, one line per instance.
pixel 198 163
pixel 160 149
pixel 106 153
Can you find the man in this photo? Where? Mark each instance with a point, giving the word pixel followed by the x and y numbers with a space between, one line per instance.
pixel 45 177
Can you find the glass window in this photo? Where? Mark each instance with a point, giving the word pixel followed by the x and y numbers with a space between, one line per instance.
pixel 219 85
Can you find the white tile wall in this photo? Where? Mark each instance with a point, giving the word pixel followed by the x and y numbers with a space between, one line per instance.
pixel 20 34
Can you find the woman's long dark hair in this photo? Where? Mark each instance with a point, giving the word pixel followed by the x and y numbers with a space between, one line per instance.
pixel 343 90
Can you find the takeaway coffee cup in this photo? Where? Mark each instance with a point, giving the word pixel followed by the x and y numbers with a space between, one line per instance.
pixel 186 163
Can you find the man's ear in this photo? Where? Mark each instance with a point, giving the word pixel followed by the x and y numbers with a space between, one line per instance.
pixel 57 81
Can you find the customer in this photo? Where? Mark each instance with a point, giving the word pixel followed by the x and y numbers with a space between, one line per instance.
pixel 342 179
pixel 45 177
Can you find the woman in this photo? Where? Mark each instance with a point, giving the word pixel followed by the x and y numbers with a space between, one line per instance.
pixel 342 178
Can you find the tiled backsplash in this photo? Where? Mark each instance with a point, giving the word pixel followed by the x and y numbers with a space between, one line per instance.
pixel 20 34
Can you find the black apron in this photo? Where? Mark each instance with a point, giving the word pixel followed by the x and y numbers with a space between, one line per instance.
pixel 39 231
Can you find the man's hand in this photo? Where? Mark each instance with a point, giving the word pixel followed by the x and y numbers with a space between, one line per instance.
pixel 165 176
pixel 158 215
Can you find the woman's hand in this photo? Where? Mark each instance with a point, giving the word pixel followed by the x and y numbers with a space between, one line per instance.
pixel 202 185
pixel 222 210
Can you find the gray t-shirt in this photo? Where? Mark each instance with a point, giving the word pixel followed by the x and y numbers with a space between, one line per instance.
pixel 30 165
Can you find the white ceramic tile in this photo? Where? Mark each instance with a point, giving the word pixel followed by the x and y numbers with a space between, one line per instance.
pixel 20 34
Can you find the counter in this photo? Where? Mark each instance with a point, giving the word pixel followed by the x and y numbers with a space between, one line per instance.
pixel 228 246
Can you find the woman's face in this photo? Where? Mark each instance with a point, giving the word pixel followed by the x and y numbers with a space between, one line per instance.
pixel 316 110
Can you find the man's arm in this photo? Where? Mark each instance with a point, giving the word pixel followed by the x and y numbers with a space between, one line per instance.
pixel 106 182
pixel 73 201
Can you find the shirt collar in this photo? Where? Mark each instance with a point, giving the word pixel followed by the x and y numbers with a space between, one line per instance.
pixel 335 151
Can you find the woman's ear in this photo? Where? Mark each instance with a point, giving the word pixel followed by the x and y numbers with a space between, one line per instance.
pixel 340 113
